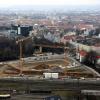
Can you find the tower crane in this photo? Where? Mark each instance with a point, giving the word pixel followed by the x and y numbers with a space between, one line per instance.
pixel 20 42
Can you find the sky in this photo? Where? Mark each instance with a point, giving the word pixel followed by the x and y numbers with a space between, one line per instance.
pixel 7 3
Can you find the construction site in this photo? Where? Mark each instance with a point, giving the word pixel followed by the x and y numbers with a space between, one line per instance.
pixel 42 63
pixel 31 66
pixel 29 78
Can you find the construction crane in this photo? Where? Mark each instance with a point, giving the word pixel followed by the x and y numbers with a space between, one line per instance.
pixel 20 41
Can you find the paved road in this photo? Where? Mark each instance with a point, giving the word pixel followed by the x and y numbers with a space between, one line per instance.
pixel 50 84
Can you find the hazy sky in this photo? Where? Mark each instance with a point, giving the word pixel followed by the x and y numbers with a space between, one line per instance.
pixel 6 3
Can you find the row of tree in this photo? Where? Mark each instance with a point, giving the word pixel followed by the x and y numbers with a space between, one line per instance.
pixel 9 50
